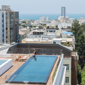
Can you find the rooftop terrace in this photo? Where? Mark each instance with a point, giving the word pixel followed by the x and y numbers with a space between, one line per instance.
pixel 17 64
pixel 42 49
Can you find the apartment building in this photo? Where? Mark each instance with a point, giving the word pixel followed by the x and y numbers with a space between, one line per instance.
pixel 9 25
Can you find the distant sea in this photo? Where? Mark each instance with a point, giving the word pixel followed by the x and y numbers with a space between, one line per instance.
pixel 51 16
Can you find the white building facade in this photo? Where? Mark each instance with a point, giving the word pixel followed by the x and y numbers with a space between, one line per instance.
pixel 67 63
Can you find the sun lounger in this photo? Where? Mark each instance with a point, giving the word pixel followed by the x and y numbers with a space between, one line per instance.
pixel 23 58
pixel 17 58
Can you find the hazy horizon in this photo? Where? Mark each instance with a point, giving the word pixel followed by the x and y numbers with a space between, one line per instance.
pixel 51 16
pixel 45 6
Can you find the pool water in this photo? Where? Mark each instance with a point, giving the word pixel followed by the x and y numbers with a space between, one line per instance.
pixel 2 61
pixel 35 70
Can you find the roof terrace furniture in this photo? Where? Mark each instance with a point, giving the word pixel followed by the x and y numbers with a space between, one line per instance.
pixel 23 58
pixel 18 57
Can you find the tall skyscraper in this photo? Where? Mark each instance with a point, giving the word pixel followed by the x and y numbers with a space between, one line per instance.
pixel 63 11
pixel 9 25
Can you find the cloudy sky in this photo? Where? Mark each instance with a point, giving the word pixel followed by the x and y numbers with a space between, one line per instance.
pixel 45 6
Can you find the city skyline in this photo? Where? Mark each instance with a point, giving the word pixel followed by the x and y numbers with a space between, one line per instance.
pixel 45 7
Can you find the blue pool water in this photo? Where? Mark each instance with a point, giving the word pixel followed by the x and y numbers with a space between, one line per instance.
pixel 2 61
pixel 34 70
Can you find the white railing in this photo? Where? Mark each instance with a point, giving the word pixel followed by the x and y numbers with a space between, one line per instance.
pixel 57 79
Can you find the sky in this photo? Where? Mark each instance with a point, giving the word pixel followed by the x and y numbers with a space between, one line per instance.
pixel 45 6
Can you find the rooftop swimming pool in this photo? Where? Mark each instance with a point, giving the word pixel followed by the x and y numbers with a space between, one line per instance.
pixel 35 70
pixel 2 61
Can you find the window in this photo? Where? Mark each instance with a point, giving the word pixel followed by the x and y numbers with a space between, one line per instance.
pixel 11 19
pixel 6 40
pixel 3 30
pixel 2 25
pixel 67 80
pixel 54 42
pixel 50 31
pixel 3 40
pixel 11 15
pixel 11 28
pixel 2 20
pixel 67 67
pixel 2 35
pixel 11 24
pixel 3 15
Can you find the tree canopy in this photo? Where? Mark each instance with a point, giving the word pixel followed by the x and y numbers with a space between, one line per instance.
pixel 52 26
pixel 24 26
pixel 79 73
pixel 79 31
pixel 56 26
pixel 83 77
pixel 23 21
pixel 75 27
pixel 80 43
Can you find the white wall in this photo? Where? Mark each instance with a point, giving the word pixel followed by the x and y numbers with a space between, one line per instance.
pixel 5 66
pixel 68 73
pixel 60 74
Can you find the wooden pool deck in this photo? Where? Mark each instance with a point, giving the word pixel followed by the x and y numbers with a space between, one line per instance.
pixel 16 65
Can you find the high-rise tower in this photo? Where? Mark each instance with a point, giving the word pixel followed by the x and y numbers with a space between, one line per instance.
pixel 63 11
pixel 9 25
